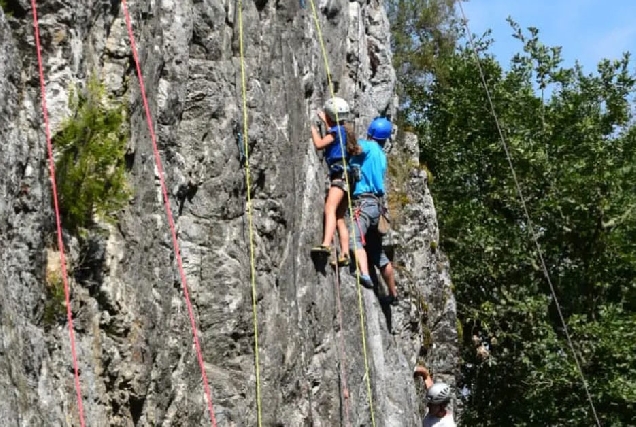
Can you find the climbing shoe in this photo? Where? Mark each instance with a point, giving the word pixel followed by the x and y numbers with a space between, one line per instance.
pixel 321 250
pixel 366 281
pixel 343 261
pixel 390 300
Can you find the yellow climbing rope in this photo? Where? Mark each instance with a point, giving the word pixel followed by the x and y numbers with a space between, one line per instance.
pixel 249 214
pixel 353 228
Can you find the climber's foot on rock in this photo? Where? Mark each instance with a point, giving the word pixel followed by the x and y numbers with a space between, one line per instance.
pixel 390 300
pixel 321 250
pixel 365 280
pixel 343 261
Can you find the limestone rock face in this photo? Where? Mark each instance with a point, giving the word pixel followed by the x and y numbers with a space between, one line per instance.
pixel 137 361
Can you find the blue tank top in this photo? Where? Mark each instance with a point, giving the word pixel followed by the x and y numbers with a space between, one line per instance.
pixel 333 151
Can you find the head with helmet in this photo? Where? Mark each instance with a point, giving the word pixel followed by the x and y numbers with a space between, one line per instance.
pixel 380 130
pixel 337 113
pixel 337 110
pixel 438 396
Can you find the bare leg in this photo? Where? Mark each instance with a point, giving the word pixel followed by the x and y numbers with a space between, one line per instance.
pixel 361 259
pixel 389 278
pixel 343 231
pixel 331 206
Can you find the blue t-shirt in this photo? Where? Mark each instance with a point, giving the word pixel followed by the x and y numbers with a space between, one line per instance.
pixel 333 151
pixel 372 163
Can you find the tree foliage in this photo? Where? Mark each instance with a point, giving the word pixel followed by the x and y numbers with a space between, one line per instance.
pixel 90 166
pixel 572 141
pixel 424 32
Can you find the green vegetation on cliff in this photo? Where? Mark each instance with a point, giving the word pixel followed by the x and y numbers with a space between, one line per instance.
pixel 90 165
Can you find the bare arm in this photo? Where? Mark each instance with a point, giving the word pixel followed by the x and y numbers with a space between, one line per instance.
pixel 319 142
pixel 426 376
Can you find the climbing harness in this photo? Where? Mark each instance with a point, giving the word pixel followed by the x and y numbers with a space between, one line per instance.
pixel 58 222
pixel 338 170
pixel 530 225
pixel 166 200
pixel 249 214
pixel 383 225
pixel 356 214
pixel 360 303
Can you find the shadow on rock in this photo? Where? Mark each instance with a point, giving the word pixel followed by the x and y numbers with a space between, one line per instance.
pixel 385 305
pixel 320 262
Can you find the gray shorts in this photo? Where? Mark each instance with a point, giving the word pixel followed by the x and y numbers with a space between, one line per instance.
pixel 336 180
pixel 339 180
pixel 366 225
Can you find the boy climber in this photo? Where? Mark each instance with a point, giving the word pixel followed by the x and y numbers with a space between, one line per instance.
pixel 366 198
pixel 340 141
pixel 438 397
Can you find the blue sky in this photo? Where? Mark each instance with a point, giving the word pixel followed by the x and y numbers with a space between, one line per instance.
pixel 588 30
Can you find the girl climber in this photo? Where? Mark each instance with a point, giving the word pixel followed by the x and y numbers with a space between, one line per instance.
pixel 340 136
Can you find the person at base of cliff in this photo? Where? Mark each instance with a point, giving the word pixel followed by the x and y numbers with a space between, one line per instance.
pixel 438 396
pixel 367 203
pixel 340 137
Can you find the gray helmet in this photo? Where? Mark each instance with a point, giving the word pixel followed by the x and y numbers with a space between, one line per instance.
pixel 438 393
pixel 337 109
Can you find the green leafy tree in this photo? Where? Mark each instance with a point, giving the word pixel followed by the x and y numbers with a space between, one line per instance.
pixel 423 33
pixel 90 164
pixel 572 141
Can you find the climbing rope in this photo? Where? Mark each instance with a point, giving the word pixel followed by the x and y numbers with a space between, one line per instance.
pixel 350 207
pixel 168 209
pixel 356 91
pixel 341 344
pixel 58 222
pixel 343 366
pixel 535 238
pixel 249 213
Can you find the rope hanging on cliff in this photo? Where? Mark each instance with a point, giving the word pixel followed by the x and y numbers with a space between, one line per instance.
pixel 166 200
pixel 535 238
pixel 353 228
pixel 249 214
pixel 343 366
pixel 58 222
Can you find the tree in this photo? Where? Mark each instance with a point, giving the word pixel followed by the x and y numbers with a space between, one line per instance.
pixel 574 153
pixel 90 166
pixel 423 33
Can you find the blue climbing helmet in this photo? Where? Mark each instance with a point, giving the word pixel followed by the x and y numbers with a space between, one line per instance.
pixel 380 129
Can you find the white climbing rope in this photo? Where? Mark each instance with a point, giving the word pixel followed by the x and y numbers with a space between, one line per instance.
pixel 535 238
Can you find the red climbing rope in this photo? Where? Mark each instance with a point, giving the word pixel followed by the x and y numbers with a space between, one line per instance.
pixel 60 241
pixel 175 242
pixel 343 367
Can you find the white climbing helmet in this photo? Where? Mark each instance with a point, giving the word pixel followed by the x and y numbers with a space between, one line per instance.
pixel 337 109
pixel 438 393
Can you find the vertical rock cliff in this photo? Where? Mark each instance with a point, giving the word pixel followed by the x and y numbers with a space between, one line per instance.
pixel 137 361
